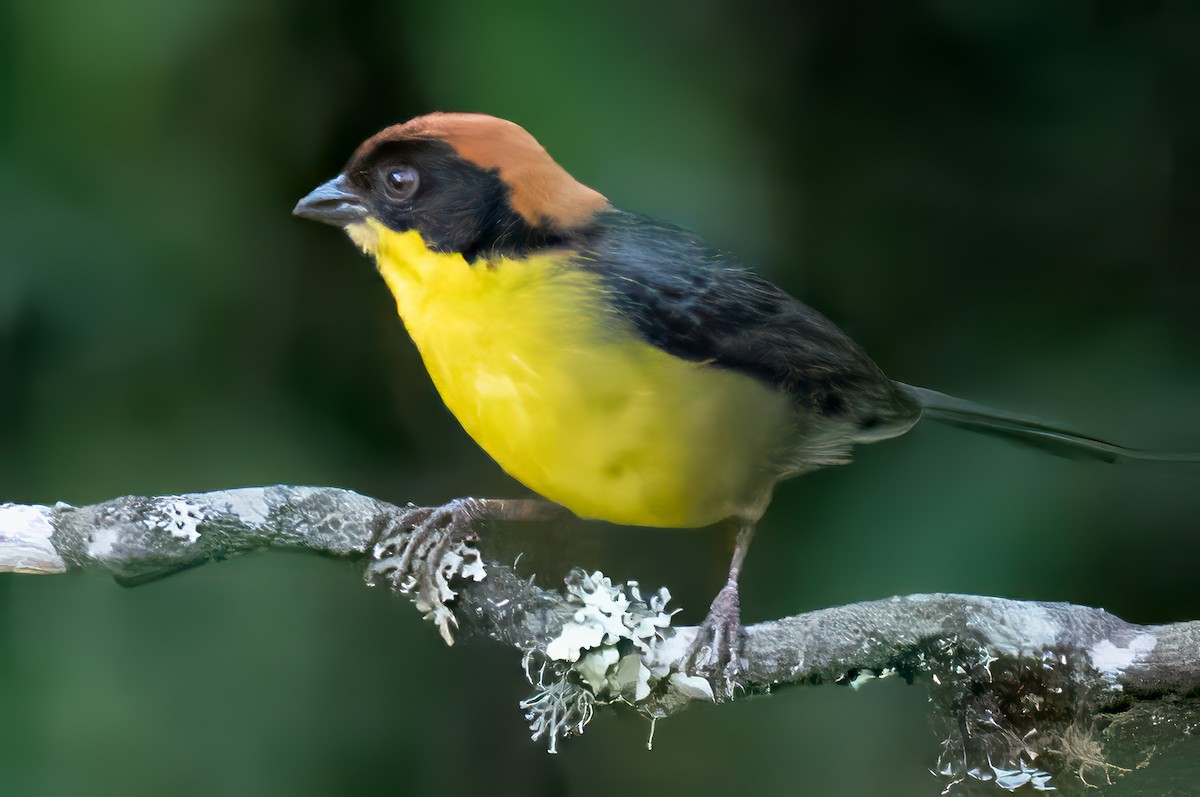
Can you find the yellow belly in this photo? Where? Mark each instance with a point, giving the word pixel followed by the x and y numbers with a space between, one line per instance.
pixel 569 401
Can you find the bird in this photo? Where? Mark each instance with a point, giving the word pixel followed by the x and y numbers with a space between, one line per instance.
pixel 617 365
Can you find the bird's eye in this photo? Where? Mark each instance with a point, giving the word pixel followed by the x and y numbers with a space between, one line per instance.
pixel 401 183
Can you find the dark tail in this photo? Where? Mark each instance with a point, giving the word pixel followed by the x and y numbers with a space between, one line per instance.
pixel 1024 429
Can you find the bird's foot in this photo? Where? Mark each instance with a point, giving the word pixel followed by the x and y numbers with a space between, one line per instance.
pixel 423 549
pixel 716 653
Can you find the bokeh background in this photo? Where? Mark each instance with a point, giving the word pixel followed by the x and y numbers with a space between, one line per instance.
pixel 998 199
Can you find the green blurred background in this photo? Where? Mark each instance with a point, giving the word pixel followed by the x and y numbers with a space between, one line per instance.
pixel 997 199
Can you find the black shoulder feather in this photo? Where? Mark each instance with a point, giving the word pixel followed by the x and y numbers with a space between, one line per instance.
pixel 696 304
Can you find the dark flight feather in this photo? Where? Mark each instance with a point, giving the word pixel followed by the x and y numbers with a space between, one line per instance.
pixel 1048 436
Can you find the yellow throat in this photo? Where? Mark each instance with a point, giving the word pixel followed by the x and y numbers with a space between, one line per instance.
pixel 569 400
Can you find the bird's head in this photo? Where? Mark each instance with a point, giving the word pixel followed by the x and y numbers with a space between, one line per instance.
pixel 467 183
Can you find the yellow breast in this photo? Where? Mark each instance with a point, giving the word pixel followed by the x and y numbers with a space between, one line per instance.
pixel 566 397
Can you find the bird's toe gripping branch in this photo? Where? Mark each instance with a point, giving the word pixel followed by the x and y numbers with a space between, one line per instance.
pixel 422 550
pixel 717 652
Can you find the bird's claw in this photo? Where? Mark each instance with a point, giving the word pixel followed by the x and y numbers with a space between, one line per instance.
pixel 716 653
pixel 422 550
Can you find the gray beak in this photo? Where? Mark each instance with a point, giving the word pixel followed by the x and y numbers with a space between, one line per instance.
pixel 336 202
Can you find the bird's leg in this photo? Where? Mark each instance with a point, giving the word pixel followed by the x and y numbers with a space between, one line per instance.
pixel 716 652
pixel 421 549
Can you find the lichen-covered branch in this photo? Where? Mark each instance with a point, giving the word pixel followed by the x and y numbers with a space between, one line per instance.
pixel 139 537
pixel 1024 690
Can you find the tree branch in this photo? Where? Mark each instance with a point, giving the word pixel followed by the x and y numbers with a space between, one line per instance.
pixel 1023 690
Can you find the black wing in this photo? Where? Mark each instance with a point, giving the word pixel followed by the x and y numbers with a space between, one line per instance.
pixel 695 304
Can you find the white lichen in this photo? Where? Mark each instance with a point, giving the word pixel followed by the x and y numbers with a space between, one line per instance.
pixel 616 648
pixel 559 710
pixel 1111 660
pixel 181 517
pixel 26 542
pixel 595 665
pixel 606 615
pixel 1013 778
pixel 102 541
pixel 863 677
pixel 1026 628
pixel 574 638
pixel 249 505
pixel 692 687
pixel 1008 778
